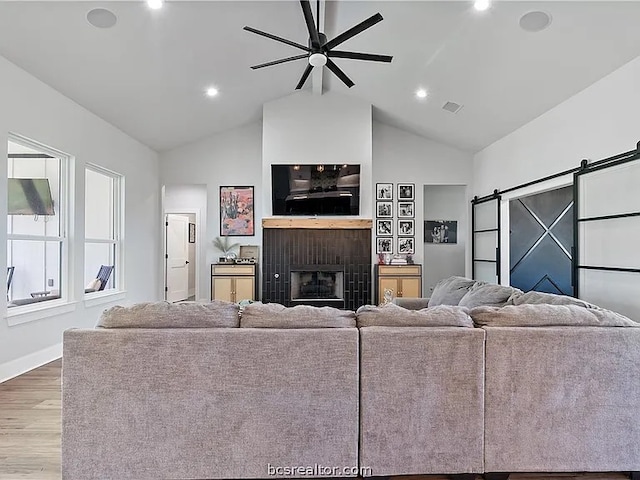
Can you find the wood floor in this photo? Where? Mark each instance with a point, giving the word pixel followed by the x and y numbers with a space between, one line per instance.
pixel 30 425
pixel 30 431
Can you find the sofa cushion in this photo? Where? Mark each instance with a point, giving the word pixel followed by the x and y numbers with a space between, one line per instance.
pixel 391 315
pixel 274 315
pixel 488 294
pixel 543 315
pixel 171 315
pixel 536 298
pixel 450 290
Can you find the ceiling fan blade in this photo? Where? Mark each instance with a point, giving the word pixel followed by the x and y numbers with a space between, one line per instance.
pixel 361 27
pixel 360 56
pixel 282 60
pixel 311 26
pixel 304 77
pixel 277 39
pixel 339 73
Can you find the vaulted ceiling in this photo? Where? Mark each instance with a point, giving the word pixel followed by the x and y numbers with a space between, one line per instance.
pixel 147 74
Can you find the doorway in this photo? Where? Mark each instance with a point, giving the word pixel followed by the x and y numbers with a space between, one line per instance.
pixel 445 215
pixel 179 261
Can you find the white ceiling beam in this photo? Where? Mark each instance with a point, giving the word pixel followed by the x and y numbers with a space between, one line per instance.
pixel 317 73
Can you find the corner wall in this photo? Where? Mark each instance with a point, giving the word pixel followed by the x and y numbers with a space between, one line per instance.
pixel 402 157
pixel 304 128
pixel 231 158
pixel 599 122
pixel 34 110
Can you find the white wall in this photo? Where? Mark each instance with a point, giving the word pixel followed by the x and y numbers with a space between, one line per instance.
pixel 442 260
pixel 232 158
pixel 402 157
pixel 34 110
pixel 303 128
pixel 598 122
pixel 185 199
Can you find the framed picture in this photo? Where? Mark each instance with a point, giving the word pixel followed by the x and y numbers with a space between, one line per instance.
pixel 406 245
pixel 192 233
pixel 406 210
pixel 384 227
pixel 440 231
pixel 406 191
pixel 406 228
pixel 384 191
pixel 384 209
pixel 384 245
pixel 236 212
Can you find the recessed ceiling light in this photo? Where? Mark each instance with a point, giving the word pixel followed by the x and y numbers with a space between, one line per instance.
pixel 212 92
pixel 101 18
pixel 421 93
pixel 481 5
pixel 535 21
pixel 155 4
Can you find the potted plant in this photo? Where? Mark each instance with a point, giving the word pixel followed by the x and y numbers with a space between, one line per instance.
pixel 227 248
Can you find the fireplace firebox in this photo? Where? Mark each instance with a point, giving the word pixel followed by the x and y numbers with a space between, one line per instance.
pixel 317 282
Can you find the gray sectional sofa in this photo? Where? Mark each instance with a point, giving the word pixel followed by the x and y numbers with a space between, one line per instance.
pixel 485 379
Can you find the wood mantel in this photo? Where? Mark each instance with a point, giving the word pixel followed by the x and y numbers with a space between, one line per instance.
pixel 317 223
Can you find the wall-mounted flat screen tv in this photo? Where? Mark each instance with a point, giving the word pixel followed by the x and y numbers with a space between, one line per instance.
pixel 29 196
pixel 315 189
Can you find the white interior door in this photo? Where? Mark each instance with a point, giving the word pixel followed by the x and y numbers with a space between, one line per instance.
pixel 177 258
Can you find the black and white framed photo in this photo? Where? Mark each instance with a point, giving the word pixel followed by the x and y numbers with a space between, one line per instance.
pixel 384 227
pixel 406 191
pixel 384 244
pixel 406 228
pixel 384 191
pixel 406 245
pixel 192 233
pixel 384 209
pixel 440 231
pixel 406 210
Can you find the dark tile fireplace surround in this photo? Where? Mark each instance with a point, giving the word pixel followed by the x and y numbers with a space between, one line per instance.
pixel 317 266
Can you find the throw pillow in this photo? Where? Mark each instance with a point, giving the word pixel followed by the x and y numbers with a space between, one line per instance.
pixel 450 291
pixel 93 285
pixel 392 315
pixel 171 315
pixel 274 315
pixel 543 315
pixel 487 294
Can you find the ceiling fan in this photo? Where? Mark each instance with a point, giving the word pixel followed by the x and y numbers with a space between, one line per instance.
pixel 320 51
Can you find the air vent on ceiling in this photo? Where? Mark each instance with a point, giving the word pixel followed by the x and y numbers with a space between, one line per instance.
pixel 452 107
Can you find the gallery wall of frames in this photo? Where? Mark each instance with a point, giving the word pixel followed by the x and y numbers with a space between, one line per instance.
pixel 395 220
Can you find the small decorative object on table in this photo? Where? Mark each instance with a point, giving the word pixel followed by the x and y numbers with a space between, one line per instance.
pixel 227 248
pixel 387 296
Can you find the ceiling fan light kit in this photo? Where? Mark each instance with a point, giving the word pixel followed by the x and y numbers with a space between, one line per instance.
pixel 320 50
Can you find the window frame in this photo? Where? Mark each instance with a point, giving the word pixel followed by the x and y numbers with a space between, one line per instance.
pixel 39 310
pixel 104 296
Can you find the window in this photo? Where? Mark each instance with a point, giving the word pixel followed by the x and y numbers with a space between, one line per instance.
pixel 103 220
pixel 36 223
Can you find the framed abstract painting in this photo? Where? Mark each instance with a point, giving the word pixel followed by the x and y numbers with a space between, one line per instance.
pixel 237 215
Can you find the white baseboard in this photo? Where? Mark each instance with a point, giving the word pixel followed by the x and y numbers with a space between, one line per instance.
pixel 192 292
pixel 22 365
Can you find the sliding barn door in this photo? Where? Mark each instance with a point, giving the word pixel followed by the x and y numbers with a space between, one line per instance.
pixel 541 241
